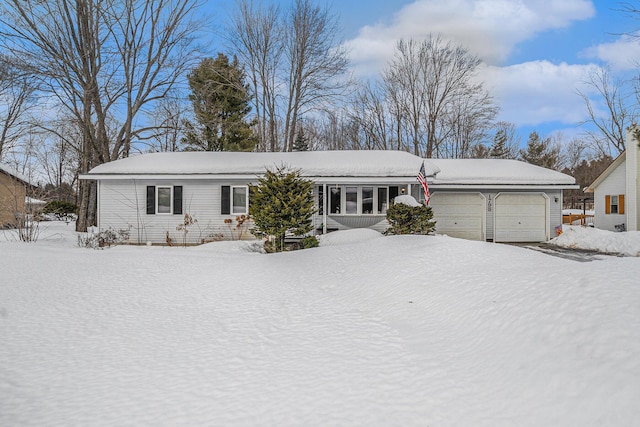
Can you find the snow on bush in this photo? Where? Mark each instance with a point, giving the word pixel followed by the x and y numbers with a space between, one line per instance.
pixel 406 199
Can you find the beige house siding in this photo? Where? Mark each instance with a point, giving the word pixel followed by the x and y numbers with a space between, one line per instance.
pixel 12 196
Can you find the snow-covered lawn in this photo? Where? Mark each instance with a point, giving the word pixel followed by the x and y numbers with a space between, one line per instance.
pixel 363 331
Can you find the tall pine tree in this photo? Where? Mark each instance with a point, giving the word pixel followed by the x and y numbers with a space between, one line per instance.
pixel 301 143
pixel 499 148
pixel 541 152
pixel 281 202
pixel 220 100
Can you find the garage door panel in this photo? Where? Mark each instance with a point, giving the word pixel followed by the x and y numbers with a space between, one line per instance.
pixel 520 218
pixel 459 214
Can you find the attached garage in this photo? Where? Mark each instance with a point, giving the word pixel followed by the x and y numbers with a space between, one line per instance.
pixel 459 214
pixel 521 217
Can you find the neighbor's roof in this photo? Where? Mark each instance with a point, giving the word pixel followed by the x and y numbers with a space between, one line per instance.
pixel 14 173
pixel 496 172
pixel 620 160
pixel 312 164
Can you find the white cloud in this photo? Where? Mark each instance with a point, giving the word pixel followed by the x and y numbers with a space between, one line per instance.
pixel 489 28
pixel 621 55
pixel 536 92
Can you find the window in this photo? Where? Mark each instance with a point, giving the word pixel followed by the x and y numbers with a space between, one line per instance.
pixel 614 204
pixel 164 199
pixel 234 200
pixel 320 200
pixel 239 200
pixel 383 200
pixel 334 200
pixel 355 200
pixel 367 200
pixel 352 200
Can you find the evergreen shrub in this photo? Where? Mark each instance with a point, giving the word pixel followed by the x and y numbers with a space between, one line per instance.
pixel 405 219
pixel 281 203
pixel 60 208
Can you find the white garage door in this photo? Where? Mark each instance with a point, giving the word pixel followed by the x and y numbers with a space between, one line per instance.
pixel 459 214
pixel 520 218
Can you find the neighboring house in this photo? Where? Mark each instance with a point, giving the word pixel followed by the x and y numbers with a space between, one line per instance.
pixel 13 192
pixel 616 192
pixel 497 200
pixel 151 193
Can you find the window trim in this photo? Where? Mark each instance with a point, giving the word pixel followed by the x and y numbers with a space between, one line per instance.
pixel 359 199
pixel 232 205
pixel 158 188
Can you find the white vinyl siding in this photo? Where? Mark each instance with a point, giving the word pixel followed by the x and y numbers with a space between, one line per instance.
pixel 122 205
pixel 612 184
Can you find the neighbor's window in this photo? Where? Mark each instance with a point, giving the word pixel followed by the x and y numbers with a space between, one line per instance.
pixel 164 200
pixel 239 200
pixel 614 204
pixel 352 200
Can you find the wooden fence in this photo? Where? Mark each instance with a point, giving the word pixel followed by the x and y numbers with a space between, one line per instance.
pixel 577 219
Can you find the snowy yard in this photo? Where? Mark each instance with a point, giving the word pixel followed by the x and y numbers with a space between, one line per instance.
pixel 363 331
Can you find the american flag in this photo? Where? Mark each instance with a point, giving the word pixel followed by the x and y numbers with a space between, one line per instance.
pixel 422 179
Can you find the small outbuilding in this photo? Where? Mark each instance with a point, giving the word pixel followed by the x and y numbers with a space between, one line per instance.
pixel 616 192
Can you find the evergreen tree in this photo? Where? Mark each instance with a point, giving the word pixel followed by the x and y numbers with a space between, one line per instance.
pixel 301 143
pixel 220 99
pixel 541 152
pixel 499 148
pixel 281 202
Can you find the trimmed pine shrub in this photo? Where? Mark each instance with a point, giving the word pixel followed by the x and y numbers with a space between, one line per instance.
pixel 405 219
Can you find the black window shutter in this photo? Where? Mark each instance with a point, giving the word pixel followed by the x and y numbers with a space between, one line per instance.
pixel 226 200
pixel 177 199
pixel 151 199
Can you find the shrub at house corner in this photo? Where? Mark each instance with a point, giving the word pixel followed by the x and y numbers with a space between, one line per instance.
pixel 281 203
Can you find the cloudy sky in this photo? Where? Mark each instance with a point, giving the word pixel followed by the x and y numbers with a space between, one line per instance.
pixel 536 53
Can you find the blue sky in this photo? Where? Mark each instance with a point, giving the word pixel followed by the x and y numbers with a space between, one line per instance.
pixel 536 53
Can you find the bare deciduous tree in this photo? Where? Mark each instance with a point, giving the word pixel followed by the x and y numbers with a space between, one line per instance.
pixel 168 117
pixel 370 112
pixel 433 83
pixel 105 61
pixel 256 33
pixel 294 61
pixel 610 116
pixel 17 89
pixel 315 62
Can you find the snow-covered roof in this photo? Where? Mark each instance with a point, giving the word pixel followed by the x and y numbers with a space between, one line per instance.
pixel 312 164
pixel 14 173
pixel 496 172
